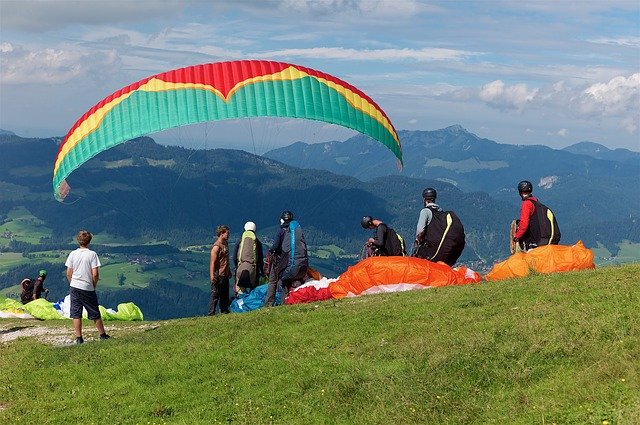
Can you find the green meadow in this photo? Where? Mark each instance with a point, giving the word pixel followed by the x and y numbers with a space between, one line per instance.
pixel 22 226
pixel 547 349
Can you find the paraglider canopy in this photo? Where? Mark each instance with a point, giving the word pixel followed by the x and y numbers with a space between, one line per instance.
pixel 218 91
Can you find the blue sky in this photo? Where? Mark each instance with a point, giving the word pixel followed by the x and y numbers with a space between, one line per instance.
pixel 522 72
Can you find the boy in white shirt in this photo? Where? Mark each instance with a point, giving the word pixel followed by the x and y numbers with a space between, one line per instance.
pixel 83 272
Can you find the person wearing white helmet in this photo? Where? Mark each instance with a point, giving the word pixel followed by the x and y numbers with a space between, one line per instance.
pixel 248 259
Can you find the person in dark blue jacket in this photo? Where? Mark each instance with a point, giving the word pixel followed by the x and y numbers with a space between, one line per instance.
pixel 288 258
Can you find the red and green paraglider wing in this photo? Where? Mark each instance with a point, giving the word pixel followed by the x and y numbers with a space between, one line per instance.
pixel 217 91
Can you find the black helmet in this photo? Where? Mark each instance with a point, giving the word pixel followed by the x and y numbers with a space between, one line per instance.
pixel 430 193
pixel 366 221
pixel 525 186
pixel 286 216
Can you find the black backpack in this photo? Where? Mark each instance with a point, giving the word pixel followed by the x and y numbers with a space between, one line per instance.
pixel 543 227
pixel 444 238
pixel 394 244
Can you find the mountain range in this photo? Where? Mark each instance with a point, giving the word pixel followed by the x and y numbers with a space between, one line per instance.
pixel 167 190
pixel 459 157
pixel 144 190
pixel 586 182
pixel 143 194
pixel 599 151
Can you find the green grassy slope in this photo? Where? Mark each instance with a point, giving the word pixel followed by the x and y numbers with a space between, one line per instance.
pixel 558 348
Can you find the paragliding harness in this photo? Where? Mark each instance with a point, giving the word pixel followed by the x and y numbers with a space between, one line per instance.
pixel 394 243
pixel 370 250
pixel 393 246
pixel 247 270
pixel 443 239
pixel 543 228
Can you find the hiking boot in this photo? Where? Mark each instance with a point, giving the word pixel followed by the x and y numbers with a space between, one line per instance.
pixel 104 336
pixel 79 340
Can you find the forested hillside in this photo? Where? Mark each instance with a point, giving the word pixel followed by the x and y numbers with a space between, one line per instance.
pixel 154 210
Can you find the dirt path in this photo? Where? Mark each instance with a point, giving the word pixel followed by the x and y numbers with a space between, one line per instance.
pixel 61 335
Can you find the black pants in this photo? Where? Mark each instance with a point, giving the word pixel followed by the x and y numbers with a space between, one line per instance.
pixel 286 277
pixel 274 276
pixel 219 295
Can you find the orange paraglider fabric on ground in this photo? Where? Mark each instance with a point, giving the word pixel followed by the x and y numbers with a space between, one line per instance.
pixel 395 274
pixel 545 259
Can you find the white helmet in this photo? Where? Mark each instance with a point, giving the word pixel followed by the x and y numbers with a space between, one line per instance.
pixel 250 225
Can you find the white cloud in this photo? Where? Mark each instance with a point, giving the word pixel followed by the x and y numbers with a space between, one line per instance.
pixel 631 124
pixel 360 8
pixel 370 55
pixel 614 98
pixel 53 66
pixel 620 41
pixel 498 95
pixel 566 8
pixel 618 97
pixel 44 15
pixel 6 48
pixel 562 132
pixel 155 52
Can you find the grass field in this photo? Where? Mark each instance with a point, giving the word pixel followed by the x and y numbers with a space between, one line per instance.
pixel 23 226
pixel 180 268
pixel 629 253
pixel 9 260
pixel 326 251
pixel 560 348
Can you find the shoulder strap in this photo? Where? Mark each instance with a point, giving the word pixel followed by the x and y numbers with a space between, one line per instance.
pixel 292 234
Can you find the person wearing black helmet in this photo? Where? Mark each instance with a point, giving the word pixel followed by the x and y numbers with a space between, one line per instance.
pixel 429 196
pixel 385 240
pixel 537 225
pixel 289 258
pixel 439 234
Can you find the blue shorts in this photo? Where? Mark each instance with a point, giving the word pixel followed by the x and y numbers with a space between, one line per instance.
pixel 87 299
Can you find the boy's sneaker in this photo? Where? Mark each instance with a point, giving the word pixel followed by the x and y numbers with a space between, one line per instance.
pixel 79 340
pixel 104 336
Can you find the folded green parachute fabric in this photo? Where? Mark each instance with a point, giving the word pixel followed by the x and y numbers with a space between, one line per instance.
pixel 43 309
pixel 126 312
pixel 12 309
pixel 9 303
